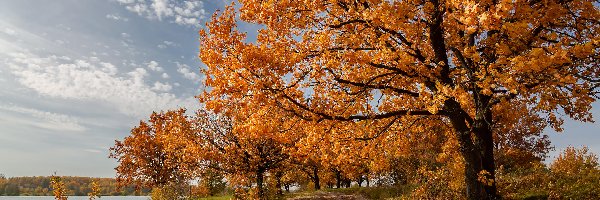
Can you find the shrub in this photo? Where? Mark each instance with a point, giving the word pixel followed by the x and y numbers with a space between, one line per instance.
pixel 168 192
pixel 575 174
pixel 439 184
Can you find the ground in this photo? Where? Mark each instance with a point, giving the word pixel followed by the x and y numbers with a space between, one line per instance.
pixel 328 195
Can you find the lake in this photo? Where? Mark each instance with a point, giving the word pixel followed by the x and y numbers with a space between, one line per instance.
pixel 75 198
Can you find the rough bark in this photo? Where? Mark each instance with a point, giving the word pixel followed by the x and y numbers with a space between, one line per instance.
pixel 476 147
pixel 259 184
pixel 338 178
pixel 316 178
pixel 278 184
pixel 482 129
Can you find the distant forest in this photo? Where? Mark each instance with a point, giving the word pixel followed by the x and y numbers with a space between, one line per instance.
pixel 76 186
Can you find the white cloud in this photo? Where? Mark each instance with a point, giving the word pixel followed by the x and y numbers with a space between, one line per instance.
pixel 45 119
pixel 166 44
pixel 161 8
pixel 94 59
pixel 127 42
pixel 9 31
pixel 57 77
pixel 162 87
pixel 116 17
pixel 187 73
pixel 165 75
pixel 126 1
pixel 93 150
pixel 108 68
pixel 182 12
pixel 138 75
pixel 153 65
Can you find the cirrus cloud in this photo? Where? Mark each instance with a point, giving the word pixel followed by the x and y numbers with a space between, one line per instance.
pixel 44 119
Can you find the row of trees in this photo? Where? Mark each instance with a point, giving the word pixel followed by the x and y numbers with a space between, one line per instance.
pixel 73 186
pixel 365 90
pixel 376 66
pixel 182 155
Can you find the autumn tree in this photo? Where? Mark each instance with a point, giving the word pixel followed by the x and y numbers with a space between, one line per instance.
pixel 247 151
pixel 156 153
pixel 575 161
pixel 95 190
pixel 574 174
pixel 211 183
pixel 518 136
pixel 3 182
pixel 376 60
pixel 58 188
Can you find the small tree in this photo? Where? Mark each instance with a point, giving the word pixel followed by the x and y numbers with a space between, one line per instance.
pixel 576 175
pixel 58 188
pixel 211 182
pixel 246 150
pixel 171 191
pixel 95 193
pixel 575 161
pixel 156 153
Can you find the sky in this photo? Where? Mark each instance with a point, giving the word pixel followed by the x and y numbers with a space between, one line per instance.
pixel 77 75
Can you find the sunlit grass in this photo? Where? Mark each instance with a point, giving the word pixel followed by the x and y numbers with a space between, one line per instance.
pixel 227 197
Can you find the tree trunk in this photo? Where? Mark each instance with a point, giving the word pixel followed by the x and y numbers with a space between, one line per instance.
pixel 278 176
pixel 338 178
pixel 477 151
pixel 475 189
pixel 359 181
pixel 316 178
pixel 483 130
pixel 259 183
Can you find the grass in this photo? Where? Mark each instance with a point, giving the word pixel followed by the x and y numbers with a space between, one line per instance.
pixel 226 197
pixel 366 192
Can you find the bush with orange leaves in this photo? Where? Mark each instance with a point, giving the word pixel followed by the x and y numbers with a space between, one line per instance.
pixel 575 174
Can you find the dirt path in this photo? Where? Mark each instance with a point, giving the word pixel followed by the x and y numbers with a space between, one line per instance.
pixel 320 195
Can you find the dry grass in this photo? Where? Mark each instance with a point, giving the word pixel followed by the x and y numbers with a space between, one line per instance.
pixel 327 195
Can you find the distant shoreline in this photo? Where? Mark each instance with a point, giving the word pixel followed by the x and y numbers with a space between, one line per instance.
pixel 76 186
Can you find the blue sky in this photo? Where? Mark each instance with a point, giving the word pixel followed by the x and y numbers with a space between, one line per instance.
pixel 77 75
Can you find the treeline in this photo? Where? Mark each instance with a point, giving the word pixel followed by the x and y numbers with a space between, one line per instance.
pixel 172 149
pixel 75 186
